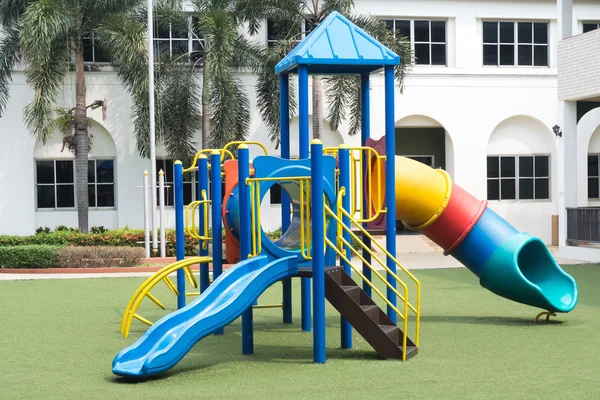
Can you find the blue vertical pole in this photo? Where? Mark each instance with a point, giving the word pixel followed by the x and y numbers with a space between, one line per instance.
pixel 179 231
pixel 344 159
pixel 390 185
pixel 245 238
pixel 303 136
pixel 203 186
pixel 365 133
pixel 216 200
pixel 318 250
pixel 284 123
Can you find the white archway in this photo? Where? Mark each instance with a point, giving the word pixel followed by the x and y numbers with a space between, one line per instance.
pixel 521 134
pixel 103 145
pixel 588 142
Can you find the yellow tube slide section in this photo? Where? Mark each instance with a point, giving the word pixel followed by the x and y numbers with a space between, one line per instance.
pixel 422 193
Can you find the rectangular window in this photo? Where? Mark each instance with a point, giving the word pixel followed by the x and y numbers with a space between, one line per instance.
pixel 278 31
pixel 101 183
pixel 176 42
pixel 590 26
pixel 428 39
pixel 189 183
pixel 593 177
pixel 518 178
pixel 93 51
pixel 523 44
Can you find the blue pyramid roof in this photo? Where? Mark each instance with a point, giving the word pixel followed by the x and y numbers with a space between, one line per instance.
pixel 337 46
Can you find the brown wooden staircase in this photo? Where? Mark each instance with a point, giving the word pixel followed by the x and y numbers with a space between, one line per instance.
pixel 370 321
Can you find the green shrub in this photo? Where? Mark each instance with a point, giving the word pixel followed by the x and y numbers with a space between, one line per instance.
pixel 98 256
pixel 98 229
pixel 44 229
pixel 30 256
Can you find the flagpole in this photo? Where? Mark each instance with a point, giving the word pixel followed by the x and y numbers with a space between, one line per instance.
pixel 152 127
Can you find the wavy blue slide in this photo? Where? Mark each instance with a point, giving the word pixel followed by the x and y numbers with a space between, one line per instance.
pixel 169 339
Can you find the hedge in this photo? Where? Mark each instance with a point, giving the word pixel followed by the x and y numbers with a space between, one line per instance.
pixel 30 256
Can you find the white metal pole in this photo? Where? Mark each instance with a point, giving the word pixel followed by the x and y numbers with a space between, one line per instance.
pixel 146 217
pixel 152 125
pixel 161 196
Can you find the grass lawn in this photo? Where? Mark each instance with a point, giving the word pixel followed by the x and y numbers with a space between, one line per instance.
pixel 58 339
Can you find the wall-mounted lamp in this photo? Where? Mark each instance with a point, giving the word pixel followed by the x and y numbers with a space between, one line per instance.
pixel 557 131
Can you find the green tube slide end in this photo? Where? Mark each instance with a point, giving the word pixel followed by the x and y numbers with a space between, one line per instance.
pixel 523 270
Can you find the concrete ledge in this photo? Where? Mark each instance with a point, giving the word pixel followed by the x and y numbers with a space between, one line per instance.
pixel 584 254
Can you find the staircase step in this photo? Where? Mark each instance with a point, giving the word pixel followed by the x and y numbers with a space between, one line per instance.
pixel 392 331
pixel 372 311
pixel 353 292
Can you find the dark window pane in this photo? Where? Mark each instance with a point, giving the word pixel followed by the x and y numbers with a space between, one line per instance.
pixel 167 167
pixel 196 28
pixel 100 54
pixel 541 167
pixel 589 27
pixel 92 195
pixel 490 54
pixel 45 196
pixel 525 55
pixel 493 189
pixel 507 189
pixel 169 196
pixel 91 171
pixel 526 189
pixel 438 31
pixel 422 54
pixel 180 47
pixel 105 171
pixel 161 30
pixel 198 50
pixel 540 56
pixel 45 171
pixel 525 32
pixel 88 50
pixel 490 32
pixel 65 196
pixel 187 193
pixel 526 167
pixel 106 195
pixel 542 188
pixel 64 172
pixel 438 54
pixel 507 55
pixel 593 165
pixel 507 32
pixel 275 194
pixel 492 167
pixel 403 28
pixel 421 31
pixel 507 167
pixel 540 33
pixel 161 47
pixel 389 24
pixel 593 192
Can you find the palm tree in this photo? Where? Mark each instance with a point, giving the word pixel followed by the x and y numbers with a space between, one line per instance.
pixel 342 92
pixel 49 36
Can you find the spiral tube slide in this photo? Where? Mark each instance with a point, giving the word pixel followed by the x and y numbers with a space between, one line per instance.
pixel 514 265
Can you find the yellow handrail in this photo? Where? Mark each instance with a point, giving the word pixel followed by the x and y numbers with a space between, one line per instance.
pixel 144 289
pixel 208 152
pixel 192 230
pixel 237 143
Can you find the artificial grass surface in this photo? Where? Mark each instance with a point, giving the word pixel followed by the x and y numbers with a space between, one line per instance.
pixel 59 337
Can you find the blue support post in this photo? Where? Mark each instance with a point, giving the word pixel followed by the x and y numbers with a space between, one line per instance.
pixel 245 239
pixel 344 160
pixel 390 185
pixel 179 231
pixel 303 136
pixel 216 200
pixel 365 133
pixel 203 186
pixel 318 250
pixel 284 123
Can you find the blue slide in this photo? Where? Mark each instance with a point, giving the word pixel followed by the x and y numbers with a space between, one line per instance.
pixel 169 339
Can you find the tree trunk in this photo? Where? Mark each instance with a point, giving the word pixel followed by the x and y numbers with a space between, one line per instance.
pixel 205 100
pixel 317 114
pixel 81 143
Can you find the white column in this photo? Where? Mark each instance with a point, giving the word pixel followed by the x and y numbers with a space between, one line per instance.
pixel 146 217
pixel 162 227
pixel 567 164
pixel 565 19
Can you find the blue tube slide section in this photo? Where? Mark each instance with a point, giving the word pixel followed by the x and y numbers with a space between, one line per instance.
pixel 169 339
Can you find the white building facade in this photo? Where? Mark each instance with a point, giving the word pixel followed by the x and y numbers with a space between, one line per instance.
pixel 481 102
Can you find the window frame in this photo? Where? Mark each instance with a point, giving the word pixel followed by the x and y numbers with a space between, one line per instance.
pixel 55 184
pixel 413 41
pixel 518 177
pixel 114 183
pixel 589 22
pixel 92 39
pixel 170 184
pixel 588 176
pixel 191 39
pixel 516 43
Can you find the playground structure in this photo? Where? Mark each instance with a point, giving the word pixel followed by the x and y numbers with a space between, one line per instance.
pixel 331 198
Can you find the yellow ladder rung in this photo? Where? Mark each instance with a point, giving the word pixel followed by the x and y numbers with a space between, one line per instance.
pixel 171 285
pixel 192 294
pixel 268 306
pixel 140 318
pixel 156 301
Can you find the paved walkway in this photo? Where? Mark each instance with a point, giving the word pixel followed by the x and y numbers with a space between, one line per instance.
pixel 413 251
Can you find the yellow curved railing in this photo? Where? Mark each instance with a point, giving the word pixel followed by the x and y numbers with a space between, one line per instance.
pixel 207 153
pixel 144 290
pixel 191 229
pixel 237 144
pixel 359 163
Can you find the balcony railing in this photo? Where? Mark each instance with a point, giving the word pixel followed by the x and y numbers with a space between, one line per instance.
pixel 583 225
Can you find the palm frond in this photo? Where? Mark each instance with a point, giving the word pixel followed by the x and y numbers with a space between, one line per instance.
pixel 254 12
pixel 11 11
pixel 10 47
pixel 329 6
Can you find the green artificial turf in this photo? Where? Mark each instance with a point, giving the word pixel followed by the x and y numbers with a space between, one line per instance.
pixel 58 339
